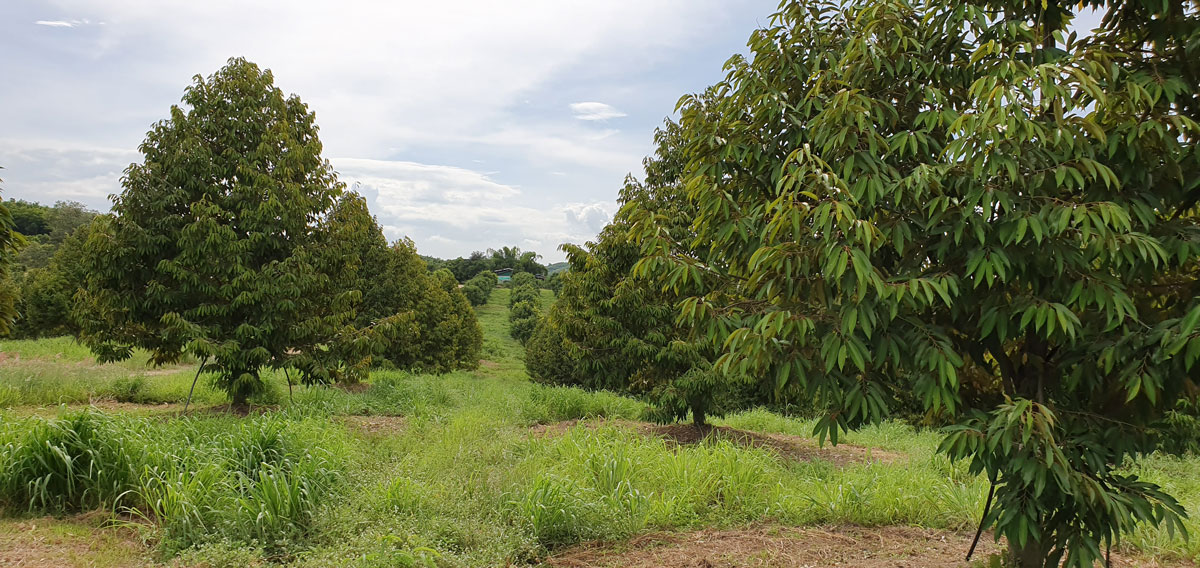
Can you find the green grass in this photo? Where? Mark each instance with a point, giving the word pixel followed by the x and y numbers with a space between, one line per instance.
pixel 455 476
pixel 55 371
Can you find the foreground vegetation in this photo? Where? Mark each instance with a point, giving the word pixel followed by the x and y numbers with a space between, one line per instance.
pixel 449 470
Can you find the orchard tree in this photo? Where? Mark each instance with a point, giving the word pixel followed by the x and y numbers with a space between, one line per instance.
pixel 403 314
pixel 47 304
pixel 451 337
pixel 963 202
pixel 610 330
pixel 214 243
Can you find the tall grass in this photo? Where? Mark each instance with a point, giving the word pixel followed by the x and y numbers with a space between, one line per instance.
pixel 79 462
pixel 258 481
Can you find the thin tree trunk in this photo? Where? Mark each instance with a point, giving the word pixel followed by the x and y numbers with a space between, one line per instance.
pixel 289 380
pixel 193 389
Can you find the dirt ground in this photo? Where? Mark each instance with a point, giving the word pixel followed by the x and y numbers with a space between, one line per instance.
pixel 77 542
pixel 796 448
pixel 795 547
pixel 375 425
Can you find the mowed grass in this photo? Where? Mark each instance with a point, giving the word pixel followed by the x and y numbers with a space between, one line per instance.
pixel 422 470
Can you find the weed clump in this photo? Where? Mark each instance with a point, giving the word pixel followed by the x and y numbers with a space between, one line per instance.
pixel 204 482
pixel 78 462
pixel 555 404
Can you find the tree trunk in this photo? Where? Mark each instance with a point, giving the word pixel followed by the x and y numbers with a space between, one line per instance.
pixel 1032 555
pixel 698 417
pixel 240 391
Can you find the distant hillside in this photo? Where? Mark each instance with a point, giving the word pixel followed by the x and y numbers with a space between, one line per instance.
pixel 557 267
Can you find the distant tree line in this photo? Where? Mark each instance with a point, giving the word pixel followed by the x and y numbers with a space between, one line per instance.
pixel 45 272
pixel 495 259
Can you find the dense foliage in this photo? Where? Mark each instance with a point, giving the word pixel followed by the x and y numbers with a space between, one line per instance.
pixel 495 259
pixel 480 288
pixel 10 241
pixel 215 242
pixel 47 302
pixel 404 316
pixel 612 330
pixel 524 306
pixel 965 204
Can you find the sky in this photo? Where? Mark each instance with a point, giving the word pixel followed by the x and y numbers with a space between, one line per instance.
pixel 467 125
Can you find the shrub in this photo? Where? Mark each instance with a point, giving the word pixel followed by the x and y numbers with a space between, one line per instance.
pixel 523 294
pixel 523 310
pixel 522 329
pixel 474 294
pixel 524 279
pixel 547 355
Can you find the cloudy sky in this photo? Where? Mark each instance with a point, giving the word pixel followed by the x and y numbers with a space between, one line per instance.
pixel 468 124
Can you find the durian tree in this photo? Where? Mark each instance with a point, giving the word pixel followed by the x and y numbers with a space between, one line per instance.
pixel 213 247
pixel 970 203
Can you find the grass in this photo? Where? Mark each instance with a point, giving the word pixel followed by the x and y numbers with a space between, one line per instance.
pixel 49 372
pixel 452 474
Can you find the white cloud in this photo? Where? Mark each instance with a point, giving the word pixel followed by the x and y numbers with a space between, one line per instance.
pixel 595 111
pixel 450 211
pixel 49 171
pixel 66 23
pixel 589 217
pixel 397 85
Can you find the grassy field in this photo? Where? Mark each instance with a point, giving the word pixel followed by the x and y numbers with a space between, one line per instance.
pixel 480 468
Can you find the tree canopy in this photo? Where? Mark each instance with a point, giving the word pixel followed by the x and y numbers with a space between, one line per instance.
pixel 966 203
pixel 213 246
pixel 496 259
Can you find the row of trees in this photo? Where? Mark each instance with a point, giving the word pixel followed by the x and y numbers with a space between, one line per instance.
pixel 524 306
pixel 233 241
pixel 957 205
pixel 480 288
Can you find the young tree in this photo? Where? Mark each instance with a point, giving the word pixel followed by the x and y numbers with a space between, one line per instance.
pixel 451 337
pixel 894 196
pixel 213 246
pixel 403 313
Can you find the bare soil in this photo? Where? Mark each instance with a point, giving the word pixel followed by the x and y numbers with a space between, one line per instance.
pixel 795 547
pixel 375 425
pixel 79 541
pixel 794 448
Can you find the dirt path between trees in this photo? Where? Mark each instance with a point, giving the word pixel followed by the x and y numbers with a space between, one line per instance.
pixel 794 448
pixel 799 547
